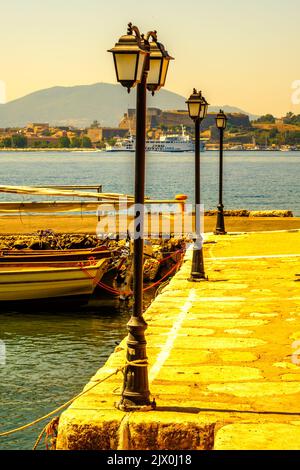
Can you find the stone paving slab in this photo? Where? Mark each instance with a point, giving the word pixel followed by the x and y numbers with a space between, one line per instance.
pixel 224 365
pixel 257 436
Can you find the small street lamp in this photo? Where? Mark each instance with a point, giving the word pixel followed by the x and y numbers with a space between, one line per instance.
pixel 144 64
pixel 221 122
pixel 197 107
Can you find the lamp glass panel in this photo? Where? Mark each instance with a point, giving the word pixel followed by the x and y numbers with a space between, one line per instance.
pixel 164 71
pixel 142 59
pixel 154 72
pixel 220 122
pixel 194 109
pixel 126 66
pixel 202 111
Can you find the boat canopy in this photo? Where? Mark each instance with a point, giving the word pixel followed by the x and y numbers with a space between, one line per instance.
pixel 49 206
pixel 104 201
pixel 62 192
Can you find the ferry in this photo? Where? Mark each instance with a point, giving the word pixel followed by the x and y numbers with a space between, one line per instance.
pixel 174 143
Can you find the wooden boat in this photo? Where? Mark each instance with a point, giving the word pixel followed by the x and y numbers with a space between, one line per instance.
pixel 51 256
pixel 27 282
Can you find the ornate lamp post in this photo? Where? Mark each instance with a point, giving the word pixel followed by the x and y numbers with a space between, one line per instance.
pixel 197 106
pixel 221 121
pixel 144 64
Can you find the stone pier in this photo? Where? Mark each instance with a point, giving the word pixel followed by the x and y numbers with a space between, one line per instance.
pixel 224 358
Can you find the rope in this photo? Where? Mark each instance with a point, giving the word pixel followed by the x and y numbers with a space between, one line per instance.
pixel 171 255
pixel 163 278
pixel 41 435
pixel 118 292
pixel 69 402
pixel 114 291
pixel 138 363
pixel 49 429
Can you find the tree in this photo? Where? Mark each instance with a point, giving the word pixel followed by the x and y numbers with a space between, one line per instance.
pixel 19 141
pixel 273 132
pixel 75 142
pixel 64 142
pixel 267 118
pixel 101 145
pixel 95 124
pixel 291 118
pixel 292 137
pixel 288 118
pixel 112 141
pixel 86 142
pixel 7 142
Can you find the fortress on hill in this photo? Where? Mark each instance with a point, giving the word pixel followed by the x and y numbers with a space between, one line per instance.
pixel 158 118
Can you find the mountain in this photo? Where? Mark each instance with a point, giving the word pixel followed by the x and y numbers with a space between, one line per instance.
pixel 80 105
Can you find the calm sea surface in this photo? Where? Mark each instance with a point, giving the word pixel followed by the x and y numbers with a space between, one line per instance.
pixel 49 357
pixel 252 180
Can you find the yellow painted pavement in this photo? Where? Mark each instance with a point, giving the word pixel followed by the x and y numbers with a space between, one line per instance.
pixel 224 358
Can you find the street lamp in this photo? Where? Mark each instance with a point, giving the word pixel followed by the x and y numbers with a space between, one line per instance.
pixel 221 122
pixel 197 107
pixel 134 55
pixel 158 65
pixel 130 55
pixel 144 64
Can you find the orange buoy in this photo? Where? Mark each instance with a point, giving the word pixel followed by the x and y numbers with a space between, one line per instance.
pixel 181 197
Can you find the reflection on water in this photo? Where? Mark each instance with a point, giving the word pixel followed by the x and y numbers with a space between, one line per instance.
pixel 49 358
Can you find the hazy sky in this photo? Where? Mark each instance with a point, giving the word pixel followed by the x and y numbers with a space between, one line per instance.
pixel 239 52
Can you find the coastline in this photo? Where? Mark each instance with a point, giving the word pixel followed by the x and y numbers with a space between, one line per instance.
pixel 50 150
pixel 87 224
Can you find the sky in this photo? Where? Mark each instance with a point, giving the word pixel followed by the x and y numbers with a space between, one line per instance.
pixel 238 52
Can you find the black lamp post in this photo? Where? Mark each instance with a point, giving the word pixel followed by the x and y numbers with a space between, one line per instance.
pixel 145 64
pixel 197 106
pixel 221 121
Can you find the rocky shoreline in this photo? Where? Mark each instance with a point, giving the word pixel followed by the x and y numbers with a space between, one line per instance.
pixel 48 240
pixel 35 149
pixel 247 213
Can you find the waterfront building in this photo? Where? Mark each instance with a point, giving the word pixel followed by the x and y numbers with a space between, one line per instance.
pixel 36 128
pixel 99 134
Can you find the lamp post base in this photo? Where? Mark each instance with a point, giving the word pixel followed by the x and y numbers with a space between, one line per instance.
pixel 220 228
pixel 198 272
pixel 128 405
pixel 220 232
pixel 194 278
pixel 136 394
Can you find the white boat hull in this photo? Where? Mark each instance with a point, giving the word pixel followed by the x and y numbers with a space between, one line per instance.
pixel 177 143
pixel 49 283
